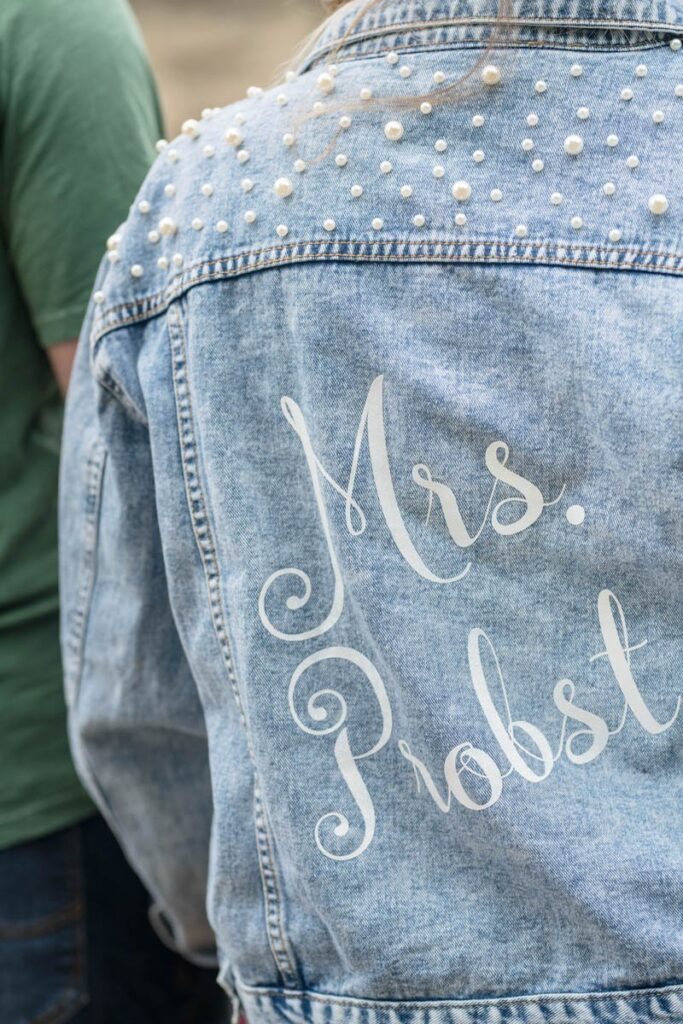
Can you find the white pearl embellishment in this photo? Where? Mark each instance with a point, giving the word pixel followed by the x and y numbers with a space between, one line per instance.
pixel 573 145
pixel 490 75
pixel 461 190
pixel 393 131
pixel 283 188
pixel 658 203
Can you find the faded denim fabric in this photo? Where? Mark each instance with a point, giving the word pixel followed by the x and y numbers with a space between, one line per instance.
pixel 371 524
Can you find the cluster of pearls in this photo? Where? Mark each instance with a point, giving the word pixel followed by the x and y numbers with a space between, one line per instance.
pixel 165 227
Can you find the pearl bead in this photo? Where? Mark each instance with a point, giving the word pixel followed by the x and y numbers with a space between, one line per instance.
pixel 377 223
pixel 136 270
pixel 439 77
pixel 288 139
pixel 576 71
pixel 392 58
pixel 573 145
pixel 541 86
pixel 675 44
pixel 208 150
pixel 233 136
pixel 207 189
pixel 658 203
pixel 162 262
pixel 160 145
pixel 583 113
pixel 393 131
pixel 291 76
pixel 197 223
pixel 461 190
pixel 490 75
pixel 425 108
pixel 418 220
pixel 318 108
pixel 113 256
pixel 239 117
pixel 478 121
pixel 247 184
pixel 254 92
pixel 177 259
pixel 537 165
pixel 243 156
pixel 658 116
pixel 632 161
pixel 406 191
pixel 366 93
pixel 405 71
pixel 190 128
pixel 153 237
pixel 169 190
pixel 609 188
pixel 221 226
pixel 345 122
pixel 556 198
pixel 281 99
pixel 532 120
pixel 627 94
pixel 341 159
pixel 144 206
pixel 282 230
pixel 283 188
pixel 441 145
pixel 113 241
pixel 527 145
pixel 521 231
pixel 575 515
pixel 614 235
pixel 641 71
pixel 250 216
pixel 167 227
pixel 678 91
pixel 356 191
pixel 576 223
pixel 496 195
pixel 438 171
pixel 329 224
pixel 460 219
pixel 478 156
pixel 299 166
pixel 173 155
pixel 612 140
pixel 98 298
pixel 385 167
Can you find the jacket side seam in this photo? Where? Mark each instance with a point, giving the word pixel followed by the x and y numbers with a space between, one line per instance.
pixel 204 539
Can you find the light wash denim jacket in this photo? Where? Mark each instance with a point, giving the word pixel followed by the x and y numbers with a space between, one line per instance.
pixel 371 524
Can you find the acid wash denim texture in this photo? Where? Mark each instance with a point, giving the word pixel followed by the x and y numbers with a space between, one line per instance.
pixel 371 524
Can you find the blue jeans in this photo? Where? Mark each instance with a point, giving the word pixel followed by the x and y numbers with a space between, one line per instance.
pixel 76 945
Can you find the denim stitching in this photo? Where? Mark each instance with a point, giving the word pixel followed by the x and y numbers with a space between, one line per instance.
pixel 535 253
pixel 77 626
pixel 205 542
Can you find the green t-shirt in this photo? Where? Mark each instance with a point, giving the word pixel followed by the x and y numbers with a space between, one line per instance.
pixel 78 121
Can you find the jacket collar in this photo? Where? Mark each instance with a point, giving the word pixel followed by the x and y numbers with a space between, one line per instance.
pixel 402 22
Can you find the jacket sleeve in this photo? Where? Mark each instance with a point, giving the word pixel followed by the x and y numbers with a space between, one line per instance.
pixel 136 723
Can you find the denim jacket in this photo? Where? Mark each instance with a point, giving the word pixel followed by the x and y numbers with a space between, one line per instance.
pixel 371 523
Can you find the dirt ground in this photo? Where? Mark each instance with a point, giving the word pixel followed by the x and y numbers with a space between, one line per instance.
pixel 206 52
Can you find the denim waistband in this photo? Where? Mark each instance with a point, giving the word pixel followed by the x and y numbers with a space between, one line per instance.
pixel 355 32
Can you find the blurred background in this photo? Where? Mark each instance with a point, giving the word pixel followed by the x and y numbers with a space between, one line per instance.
pixel 206 52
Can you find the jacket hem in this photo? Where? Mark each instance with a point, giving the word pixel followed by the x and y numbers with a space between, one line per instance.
pixel 623 1006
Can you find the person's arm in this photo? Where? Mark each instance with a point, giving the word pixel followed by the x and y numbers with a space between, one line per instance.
pixel 136 723
pixel 79 117
pixel 61 356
